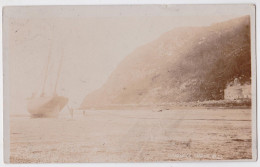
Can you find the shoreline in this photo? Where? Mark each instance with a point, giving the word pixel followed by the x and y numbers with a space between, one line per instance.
pixel 223 104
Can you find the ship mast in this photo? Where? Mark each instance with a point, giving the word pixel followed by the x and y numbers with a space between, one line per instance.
pixel 58 75
pixel 45 77
pixel 46 72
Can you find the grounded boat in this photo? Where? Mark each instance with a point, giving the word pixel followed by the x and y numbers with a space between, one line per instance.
pixel 47 106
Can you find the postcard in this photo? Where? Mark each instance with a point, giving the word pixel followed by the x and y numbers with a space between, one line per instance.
pixel 129 83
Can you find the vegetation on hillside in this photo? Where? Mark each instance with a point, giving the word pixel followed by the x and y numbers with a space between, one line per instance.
pixel 183 65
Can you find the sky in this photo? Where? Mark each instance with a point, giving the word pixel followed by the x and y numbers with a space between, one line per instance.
pixel 92 40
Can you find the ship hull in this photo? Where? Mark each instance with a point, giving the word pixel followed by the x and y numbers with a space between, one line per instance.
pixel 46 106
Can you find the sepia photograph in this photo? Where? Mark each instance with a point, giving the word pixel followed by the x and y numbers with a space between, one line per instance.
pixel 129 83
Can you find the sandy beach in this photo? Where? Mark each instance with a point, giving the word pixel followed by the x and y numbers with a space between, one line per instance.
pixel 133 136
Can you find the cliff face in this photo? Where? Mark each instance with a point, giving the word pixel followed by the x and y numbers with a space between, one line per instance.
pixel 185 64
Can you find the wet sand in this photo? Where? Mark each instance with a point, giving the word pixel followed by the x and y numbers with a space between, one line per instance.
pixel 133 136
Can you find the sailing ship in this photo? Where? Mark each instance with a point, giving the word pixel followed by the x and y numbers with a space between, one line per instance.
pixel 47 106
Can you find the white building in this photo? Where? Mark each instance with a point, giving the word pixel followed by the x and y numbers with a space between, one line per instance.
pixel 237 91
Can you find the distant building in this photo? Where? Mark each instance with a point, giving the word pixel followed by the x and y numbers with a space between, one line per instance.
pixel 236 91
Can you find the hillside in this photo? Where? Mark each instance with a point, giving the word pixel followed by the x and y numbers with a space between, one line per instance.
pixel 183 65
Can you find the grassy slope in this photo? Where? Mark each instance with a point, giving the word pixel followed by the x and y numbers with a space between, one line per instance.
pixel 185 64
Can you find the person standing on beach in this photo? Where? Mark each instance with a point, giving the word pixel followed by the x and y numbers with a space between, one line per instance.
pixel 71 111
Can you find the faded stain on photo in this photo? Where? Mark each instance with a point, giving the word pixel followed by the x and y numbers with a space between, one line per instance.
pixel 147 83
